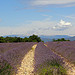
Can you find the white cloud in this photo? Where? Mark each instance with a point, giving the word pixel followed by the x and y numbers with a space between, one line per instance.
pixel 42 27
pixel 50 2
pixel 69 5
pixel 71 17
pixel 32 4
pixel 14 30
pixel 62 25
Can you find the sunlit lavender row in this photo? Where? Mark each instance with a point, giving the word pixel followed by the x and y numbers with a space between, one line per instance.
pixel 66 49
pixel 43 54
pixel 13 53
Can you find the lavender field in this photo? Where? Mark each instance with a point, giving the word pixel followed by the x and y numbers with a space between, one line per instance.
pixel 43 58
pixel 66 49
pixel 12 54
pixel 46 62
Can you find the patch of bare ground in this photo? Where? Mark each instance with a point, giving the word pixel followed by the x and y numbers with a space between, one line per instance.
pixel 68 65
pixel 27 64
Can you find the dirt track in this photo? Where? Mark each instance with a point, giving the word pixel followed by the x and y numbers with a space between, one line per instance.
pixel 27 64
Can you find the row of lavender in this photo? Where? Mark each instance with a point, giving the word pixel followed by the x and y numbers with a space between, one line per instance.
pixel 8 46
pixel 66 49
pixel 43 54
pixel 15 53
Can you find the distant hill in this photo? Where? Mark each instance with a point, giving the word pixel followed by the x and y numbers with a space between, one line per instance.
pixel 46 39
pixel 72 38
pixel 55 36
pixel 50 38
pixel 22 36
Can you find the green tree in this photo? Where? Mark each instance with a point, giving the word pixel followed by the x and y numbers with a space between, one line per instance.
pixel 62 39
pixel 58 39
pixel 2 39
pixel 34 37
pixel 54 40
pixel 25 39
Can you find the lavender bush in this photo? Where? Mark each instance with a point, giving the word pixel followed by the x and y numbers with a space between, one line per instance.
pixel 14 56
pixel 43 54
pixel 66 49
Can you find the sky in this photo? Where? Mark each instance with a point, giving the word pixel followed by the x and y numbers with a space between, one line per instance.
pixel 40 17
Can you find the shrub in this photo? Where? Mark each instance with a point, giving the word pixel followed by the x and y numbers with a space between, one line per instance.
pixel 51 68
pixel 5 68
pixel 62 39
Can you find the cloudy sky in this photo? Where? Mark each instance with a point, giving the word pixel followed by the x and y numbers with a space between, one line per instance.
pixel 41 17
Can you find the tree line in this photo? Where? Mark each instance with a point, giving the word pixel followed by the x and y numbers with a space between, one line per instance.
pixel 33 38
pixel 62 39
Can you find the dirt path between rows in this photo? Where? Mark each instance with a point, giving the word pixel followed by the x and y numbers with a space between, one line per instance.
pixel 70 67
pixel 27 64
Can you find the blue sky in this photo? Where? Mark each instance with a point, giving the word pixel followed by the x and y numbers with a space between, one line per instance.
pixel 41 17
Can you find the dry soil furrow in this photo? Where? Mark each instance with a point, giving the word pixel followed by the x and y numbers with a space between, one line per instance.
pixel 27 64
pixel 70 67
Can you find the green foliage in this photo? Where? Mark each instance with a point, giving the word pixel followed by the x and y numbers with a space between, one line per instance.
pixel 2 40
pixel 25 39
pixel 51 68
pixel 62 39
pixel 33 38
pixel 5 69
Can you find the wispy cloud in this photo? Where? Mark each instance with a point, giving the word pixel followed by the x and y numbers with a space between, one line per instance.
pixel 71 17
pixel 52 2
pixel 62 25
pixel 38 27
pixel 30 4
pixel 69 5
